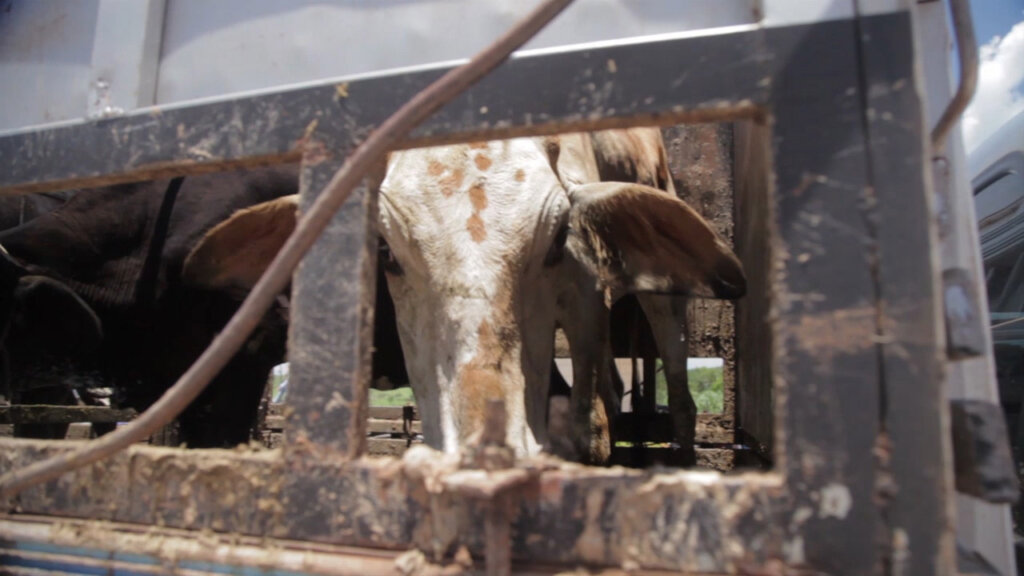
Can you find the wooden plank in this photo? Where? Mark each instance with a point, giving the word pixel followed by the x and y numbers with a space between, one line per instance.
pixel 700 157
pixel 373 425
pixel 46 414
pixel 392 412
pixel 717 459
pixel 755 403
pixel 388 446
pixel 378 426
pixel 79 431
pixel 272 438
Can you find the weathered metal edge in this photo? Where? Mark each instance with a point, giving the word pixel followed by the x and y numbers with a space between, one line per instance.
pixel 34 543
pixel 608 86
pixel 567 513
pixel 914 484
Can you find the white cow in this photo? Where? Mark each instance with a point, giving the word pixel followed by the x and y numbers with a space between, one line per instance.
pixel 493 245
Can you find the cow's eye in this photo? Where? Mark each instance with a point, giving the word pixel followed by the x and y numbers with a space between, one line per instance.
pixel 387 259
pixel 557 250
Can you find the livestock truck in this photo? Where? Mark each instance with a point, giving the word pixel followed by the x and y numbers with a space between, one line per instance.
pixel 860 361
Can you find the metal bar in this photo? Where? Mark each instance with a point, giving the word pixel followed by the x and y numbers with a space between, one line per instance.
pixel 125 56
pixel 824 316
pixel 134 549
pixel 911 443
pixel 967 52
pixel 498 534
pixel 44 414
pixel 331 336
pixel 271 127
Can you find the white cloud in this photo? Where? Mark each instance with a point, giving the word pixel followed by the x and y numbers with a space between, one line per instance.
pixel 999 97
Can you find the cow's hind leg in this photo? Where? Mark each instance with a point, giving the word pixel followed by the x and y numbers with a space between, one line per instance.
pixel 591 406
pixel 667 317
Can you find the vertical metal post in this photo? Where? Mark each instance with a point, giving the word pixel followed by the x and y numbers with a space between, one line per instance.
pixel 332 320
pixel 490 452
pixel 125 56
pixel 498 547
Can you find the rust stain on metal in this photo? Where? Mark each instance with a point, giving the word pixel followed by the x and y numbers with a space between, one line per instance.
pixel 827 334
pixel 314 152
pixel 604 517
pixel 310 128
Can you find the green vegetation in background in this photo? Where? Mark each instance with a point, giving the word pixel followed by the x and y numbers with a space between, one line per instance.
pixel 396 397
pixel 706 386
pixel 275 382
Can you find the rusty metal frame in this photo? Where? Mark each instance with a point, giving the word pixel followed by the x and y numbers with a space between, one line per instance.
pixel 850 284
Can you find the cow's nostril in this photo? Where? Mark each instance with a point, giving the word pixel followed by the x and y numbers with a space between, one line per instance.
pixel 730 282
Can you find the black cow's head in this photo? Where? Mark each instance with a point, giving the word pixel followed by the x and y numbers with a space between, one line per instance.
pixel 43 324
pixel 42 314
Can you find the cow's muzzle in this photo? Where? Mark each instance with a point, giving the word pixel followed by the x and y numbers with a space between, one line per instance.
pixel 729 281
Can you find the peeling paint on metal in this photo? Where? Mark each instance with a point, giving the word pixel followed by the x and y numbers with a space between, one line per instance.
pixel 835 501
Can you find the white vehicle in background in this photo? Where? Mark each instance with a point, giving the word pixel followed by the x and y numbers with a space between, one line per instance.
pixel 997 177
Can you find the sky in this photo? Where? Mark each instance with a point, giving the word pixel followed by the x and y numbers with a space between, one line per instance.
pixel 999 28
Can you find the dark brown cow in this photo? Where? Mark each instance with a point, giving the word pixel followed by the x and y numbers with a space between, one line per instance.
pixel 96 292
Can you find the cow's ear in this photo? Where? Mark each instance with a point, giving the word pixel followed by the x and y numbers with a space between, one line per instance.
pixel 234 254
pixel 641 239
pixel 49 315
